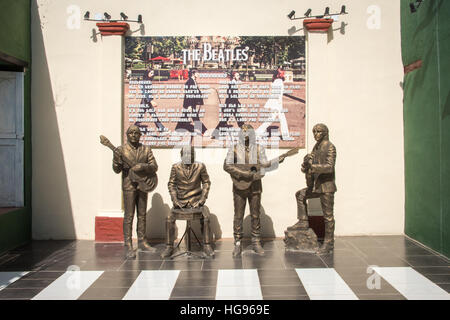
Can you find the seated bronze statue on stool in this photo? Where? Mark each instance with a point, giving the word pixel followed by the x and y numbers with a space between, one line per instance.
pixel 188 187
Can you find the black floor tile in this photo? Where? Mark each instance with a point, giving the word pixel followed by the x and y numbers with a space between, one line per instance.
pixel 30 284
pixel 286 273
pixel 122 274
pixel 386 261
pixel 181 265
pixel 439 278
pixel 279 290
pixel 99 293
pixel 426 261
pixel 226 264
pixel 285 297
pixel 19 293
pixel 180 292
pixel 410 251
pixel 432 270
pixel 198 275
pixel 87 265
pixel 363 288
pixel 302 260
pixel 140 265
pixel 335 261
pixel 196 282
pixel 445 286
pixel 42 275
pixel 362 242
pixel 352 272
pixel 113 283
pixel 278 281
pixel 223 246
pixel 145 255
pixel 260 263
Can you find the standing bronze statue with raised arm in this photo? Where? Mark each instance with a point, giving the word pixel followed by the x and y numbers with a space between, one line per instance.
pixel 138 167
pixel 189 186
pixel 246 162
pixel 318 167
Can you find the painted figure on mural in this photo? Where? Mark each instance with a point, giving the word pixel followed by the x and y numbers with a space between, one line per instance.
pixel 318 167
pixel 138 167
pixel 193 99
pixel 231 106
pixel 149 104
pixel 246 162
pixel 275 105
pixel 189 186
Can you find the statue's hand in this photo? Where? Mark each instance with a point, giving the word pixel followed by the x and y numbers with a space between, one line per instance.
pixel 257 176
pixel 138 167
pixel 117 157
pixel 200 203
pixel 176 204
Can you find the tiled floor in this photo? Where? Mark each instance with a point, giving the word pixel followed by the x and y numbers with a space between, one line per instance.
pixel 400 269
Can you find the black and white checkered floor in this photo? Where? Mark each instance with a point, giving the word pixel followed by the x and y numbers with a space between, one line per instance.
pixel 382 267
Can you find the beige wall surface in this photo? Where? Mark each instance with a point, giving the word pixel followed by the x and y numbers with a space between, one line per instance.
pixel 353 86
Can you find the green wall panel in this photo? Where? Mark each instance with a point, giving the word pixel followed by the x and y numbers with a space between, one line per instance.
pixel 425 36
pixel 15 40
pixel 15 36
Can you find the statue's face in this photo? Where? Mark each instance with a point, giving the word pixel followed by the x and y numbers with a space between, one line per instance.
pixel 319 133
pixel 188 157
pixel 133 135
pixel 236 76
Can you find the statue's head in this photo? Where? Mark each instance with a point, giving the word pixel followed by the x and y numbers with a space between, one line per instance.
pixel 320 132
pixel 187 154
pixel 247 135
pixel 133 134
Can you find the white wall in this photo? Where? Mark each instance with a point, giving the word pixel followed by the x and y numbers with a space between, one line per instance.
pixel 353 86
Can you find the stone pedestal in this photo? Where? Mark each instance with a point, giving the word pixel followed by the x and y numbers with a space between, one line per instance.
pixel 301 240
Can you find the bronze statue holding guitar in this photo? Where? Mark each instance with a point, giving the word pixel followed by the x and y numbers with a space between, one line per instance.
pixel 138 167
pixel 246 163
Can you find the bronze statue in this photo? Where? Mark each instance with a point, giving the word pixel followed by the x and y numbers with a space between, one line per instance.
pixel 246 162
pixel 318 167
pixel 138 167
pixel 189 186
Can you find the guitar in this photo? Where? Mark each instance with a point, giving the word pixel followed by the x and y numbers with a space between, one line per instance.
pixel 245 183
pixel 146 182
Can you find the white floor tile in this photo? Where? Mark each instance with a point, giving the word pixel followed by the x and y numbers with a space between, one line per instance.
pixel 325 284
pixel 69 286
pixel 153 285
pixel 238 284
pixel 411 284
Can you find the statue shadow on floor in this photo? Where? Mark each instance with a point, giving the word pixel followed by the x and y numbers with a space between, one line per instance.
pixel 267 230
pixel 156 219
pixel 214 227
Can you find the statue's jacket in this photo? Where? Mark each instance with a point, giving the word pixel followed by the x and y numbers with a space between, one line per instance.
pixel 323 161
pixel 188 183
pixel 142 154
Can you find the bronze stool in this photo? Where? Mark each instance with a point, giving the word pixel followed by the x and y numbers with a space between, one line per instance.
pixel 188 214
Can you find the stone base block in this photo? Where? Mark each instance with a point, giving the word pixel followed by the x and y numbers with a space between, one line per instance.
pixel 301 240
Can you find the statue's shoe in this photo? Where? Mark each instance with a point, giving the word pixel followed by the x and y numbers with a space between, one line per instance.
pixel 145 246
pixel 167 252
pixel 208 250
